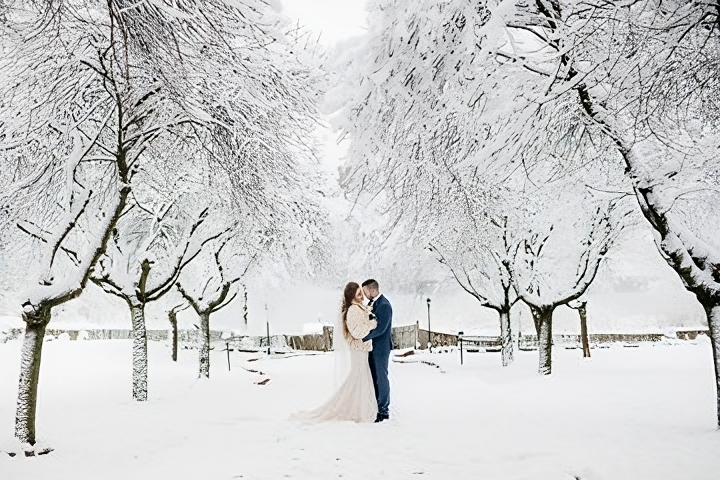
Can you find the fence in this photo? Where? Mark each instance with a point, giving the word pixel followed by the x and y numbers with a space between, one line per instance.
pixel 184 336
pixel 410 336
pixel 487 343
pixel 531 342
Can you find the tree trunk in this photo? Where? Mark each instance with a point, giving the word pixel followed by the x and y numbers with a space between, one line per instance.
pixel 582 309
pixel 536 322
pixel 140 361
pixel 506 337
pixel 172 316
pixel 245 305
pixel 712 309
pixel 204 345
pixel 36 323
pixel 543 321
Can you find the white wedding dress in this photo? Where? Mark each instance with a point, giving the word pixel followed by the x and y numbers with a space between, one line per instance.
pixel 355 399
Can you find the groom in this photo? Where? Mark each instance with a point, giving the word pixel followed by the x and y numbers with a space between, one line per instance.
pixel 382 344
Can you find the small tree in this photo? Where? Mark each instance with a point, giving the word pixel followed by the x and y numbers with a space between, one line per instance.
pixel 219 288
pixel 125 271
pixel 538 274
pixel 480 263
pixel 245 304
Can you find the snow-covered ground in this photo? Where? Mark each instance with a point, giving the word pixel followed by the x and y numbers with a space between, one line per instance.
pixel 630 413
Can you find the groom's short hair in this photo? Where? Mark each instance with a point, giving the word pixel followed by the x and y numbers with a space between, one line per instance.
pixel 372 284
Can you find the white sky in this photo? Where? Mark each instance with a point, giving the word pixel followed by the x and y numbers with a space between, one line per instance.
pixel 336 19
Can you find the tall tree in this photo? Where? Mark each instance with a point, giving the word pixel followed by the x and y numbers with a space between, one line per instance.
pixel 636 78
pixel 90 86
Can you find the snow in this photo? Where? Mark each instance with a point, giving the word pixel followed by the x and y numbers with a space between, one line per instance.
pixel 313 328
pixel 629 413
pixel 7 322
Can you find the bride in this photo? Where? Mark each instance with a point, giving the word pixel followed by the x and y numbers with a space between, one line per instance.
pixel 355 399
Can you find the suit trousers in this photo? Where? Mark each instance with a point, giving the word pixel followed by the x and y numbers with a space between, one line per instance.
pixel 379 369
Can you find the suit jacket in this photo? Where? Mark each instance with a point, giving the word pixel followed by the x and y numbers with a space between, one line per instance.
pixel 382 335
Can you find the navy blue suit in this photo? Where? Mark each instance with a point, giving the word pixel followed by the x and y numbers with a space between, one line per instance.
pixel 380 355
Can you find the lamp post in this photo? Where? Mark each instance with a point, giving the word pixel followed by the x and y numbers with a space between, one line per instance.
pixel 429 330
pixel 228 350
pixel 267 324
pixel 460 340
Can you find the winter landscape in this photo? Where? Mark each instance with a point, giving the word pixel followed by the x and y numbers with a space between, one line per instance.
pixel 189 188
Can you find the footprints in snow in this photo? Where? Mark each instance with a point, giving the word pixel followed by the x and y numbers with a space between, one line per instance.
pixel 263 381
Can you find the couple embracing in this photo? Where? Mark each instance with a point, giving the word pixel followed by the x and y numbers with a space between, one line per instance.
pixel 366 331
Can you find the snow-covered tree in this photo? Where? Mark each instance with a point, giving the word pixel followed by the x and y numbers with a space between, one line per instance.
pixel 142 263
pixel 430 154
pixel 482 272
pixel 216 283
pixel 639 79
pixel 478 248
pixel 557 262
pixel 89 87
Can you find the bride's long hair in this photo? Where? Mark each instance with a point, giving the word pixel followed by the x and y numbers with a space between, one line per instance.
pixel 348 297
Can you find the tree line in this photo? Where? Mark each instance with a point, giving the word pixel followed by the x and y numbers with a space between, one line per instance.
pixel 517 140
pixel 149 147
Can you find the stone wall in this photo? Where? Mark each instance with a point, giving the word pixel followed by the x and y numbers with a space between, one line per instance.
pixel 405 337
pixel 438 339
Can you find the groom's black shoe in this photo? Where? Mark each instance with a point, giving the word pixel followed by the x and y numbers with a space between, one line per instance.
pixel 382 417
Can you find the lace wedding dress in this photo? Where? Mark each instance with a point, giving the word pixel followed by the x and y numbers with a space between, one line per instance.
pixel 355 399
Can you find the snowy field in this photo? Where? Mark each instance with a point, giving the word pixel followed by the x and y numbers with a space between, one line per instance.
pixel 630 413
